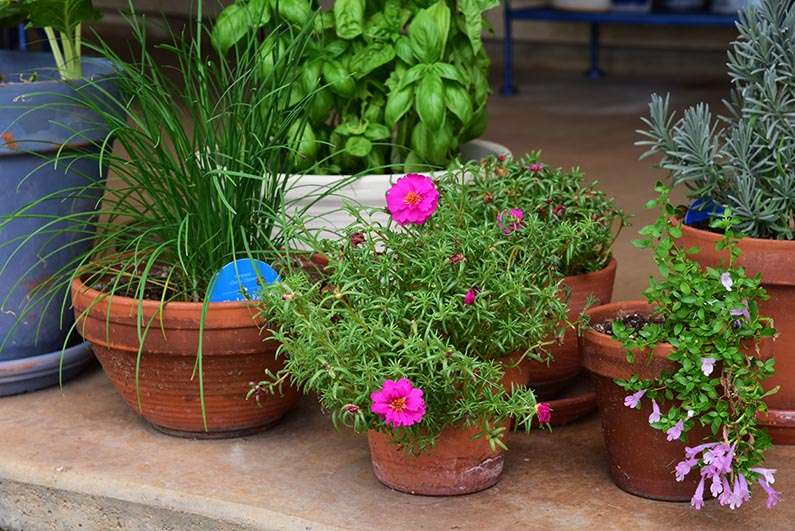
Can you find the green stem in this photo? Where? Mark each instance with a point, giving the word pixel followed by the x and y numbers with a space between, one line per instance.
pixel 56 51
pixel 72 62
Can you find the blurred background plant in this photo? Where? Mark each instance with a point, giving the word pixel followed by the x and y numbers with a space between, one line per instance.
pixel 576 214
pixel 402 84
pixel 746 160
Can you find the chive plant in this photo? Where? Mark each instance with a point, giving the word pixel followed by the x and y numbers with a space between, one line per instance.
pixel 208 155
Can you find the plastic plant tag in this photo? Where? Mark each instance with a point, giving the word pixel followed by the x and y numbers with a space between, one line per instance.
pixel 238 280
pixel 702 210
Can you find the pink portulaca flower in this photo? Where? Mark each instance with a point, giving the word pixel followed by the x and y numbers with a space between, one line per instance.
pixel 399 403
pixel 412 199
pixel 470 296
pixel 536 167
pixel 544 413
pixel 511 220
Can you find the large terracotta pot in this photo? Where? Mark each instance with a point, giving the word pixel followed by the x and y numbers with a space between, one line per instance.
pixel 548 380
pixel 517 370
pixel 775 260
pixel 235 353
pixel 458 464
pixel 642 461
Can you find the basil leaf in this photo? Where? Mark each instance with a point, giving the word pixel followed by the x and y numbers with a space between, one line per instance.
pixel 448 71
pixel 336 76
pixel 230 26
pixel 358 146
pixel 473 19
pixel 428 32
pixel 269 53
pixel 403 50
pixel 412 75
pixel 61 15
pixel 371 57
pixel 351 128
pixel 297 12
pixel 397 105
pixel 458 101
pixel 377 132
pixel 305 148
pixel 321 105
pixel 430 101
pixel 349 16
pixel 477 126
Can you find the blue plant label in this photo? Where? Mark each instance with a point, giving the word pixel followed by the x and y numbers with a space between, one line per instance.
pixel 240 280
pixel 702 210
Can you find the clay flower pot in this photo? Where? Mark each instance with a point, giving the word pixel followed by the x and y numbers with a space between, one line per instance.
pixel 548 380
pixel 642 461
pixel 234 354
pixel 458 464
pixel 775 260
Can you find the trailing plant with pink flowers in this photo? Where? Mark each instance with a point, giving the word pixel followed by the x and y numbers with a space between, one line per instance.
pixel 586 220
pixel 409 329
pixel 711 317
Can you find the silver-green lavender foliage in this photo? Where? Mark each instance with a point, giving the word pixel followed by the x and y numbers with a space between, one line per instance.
pixel 745 160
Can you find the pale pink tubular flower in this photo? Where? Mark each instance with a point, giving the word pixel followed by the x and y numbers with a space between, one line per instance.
pixel 773 496
pixel 675 431
pixel 768 474
pixel 683 468
pixel 707 365
pixel 634 399
pixel 399 403
pixel 697 501
pixel 412 199
pixel 726 280
pixel 655 412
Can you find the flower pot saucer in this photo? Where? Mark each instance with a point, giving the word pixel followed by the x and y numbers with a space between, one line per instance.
pixel 576 401
pixel 37 372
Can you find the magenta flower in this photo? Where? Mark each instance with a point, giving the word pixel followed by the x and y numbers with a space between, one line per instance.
pixel 536 167
pixel 357 238
pixel 634 399
pixel 773 496
pixel 707 365
pixel 399 403
pixel 510 221
pixel 655 412
pixel 697 501
pixel 412 199
pixel 544 413
pixel 675 431
pixel 726 280
pixel 470 295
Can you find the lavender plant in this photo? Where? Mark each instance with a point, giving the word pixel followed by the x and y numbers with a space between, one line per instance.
pixel 744 161
pixel 711 318
pixel 439 302
pixel 586 221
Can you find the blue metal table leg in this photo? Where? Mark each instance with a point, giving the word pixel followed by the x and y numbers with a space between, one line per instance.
pixel 508 87
pixel 595 72
pixel 22 38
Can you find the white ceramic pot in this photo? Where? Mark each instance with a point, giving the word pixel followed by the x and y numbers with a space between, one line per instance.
pixel 367 191
pixel 582 5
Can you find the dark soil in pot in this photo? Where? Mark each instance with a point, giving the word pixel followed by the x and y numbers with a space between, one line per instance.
pixel 642 461
pixel 458 464
pixel 548 380
pixel 235 353
pixel 775 260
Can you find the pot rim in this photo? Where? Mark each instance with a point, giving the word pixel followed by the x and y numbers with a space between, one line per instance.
pixel 777 245
pixel 613 309
pixel 606 270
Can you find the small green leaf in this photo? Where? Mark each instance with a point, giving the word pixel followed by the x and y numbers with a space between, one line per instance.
pixel 457 100
pixel 430 101
pixel 358 146
pixel 371 57
pixel 61 15
pixel 397 105
pixel 297 12
pixel 341 82
pixel 428 32
pixel 349 16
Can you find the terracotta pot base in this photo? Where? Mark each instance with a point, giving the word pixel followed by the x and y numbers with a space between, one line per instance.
pixel 576 401
pixel 457 465
pixel 215 435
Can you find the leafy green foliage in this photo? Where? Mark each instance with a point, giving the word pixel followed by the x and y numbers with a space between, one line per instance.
pixel 584 219
pixel 61 15
pixel 745 161
pixel 416 68
pixel 392 305
pixel 701 319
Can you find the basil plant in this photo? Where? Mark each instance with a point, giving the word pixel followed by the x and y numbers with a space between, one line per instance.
pixel 395 85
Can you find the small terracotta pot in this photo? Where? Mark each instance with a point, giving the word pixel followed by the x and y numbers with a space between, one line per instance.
pixel 235 353
pixel 458 464
pixel 642 461
pixel 775 260
pixel 549 380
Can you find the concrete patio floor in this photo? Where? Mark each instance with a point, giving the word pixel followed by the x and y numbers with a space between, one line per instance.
pixel 81 459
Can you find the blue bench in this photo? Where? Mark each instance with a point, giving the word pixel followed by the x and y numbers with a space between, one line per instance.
pixel 595 19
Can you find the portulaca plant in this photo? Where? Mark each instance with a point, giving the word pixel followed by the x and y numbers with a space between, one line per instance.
pixel 408 330
pixel 711 318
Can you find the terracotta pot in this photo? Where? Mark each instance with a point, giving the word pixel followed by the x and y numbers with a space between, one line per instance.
pixel 775 260
pixel 642 461
pixel 458 464
pixel 549 380
pixel 517 370
pixel 234 353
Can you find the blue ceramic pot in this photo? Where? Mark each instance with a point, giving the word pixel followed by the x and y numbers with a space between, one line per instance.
pixel 39 117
